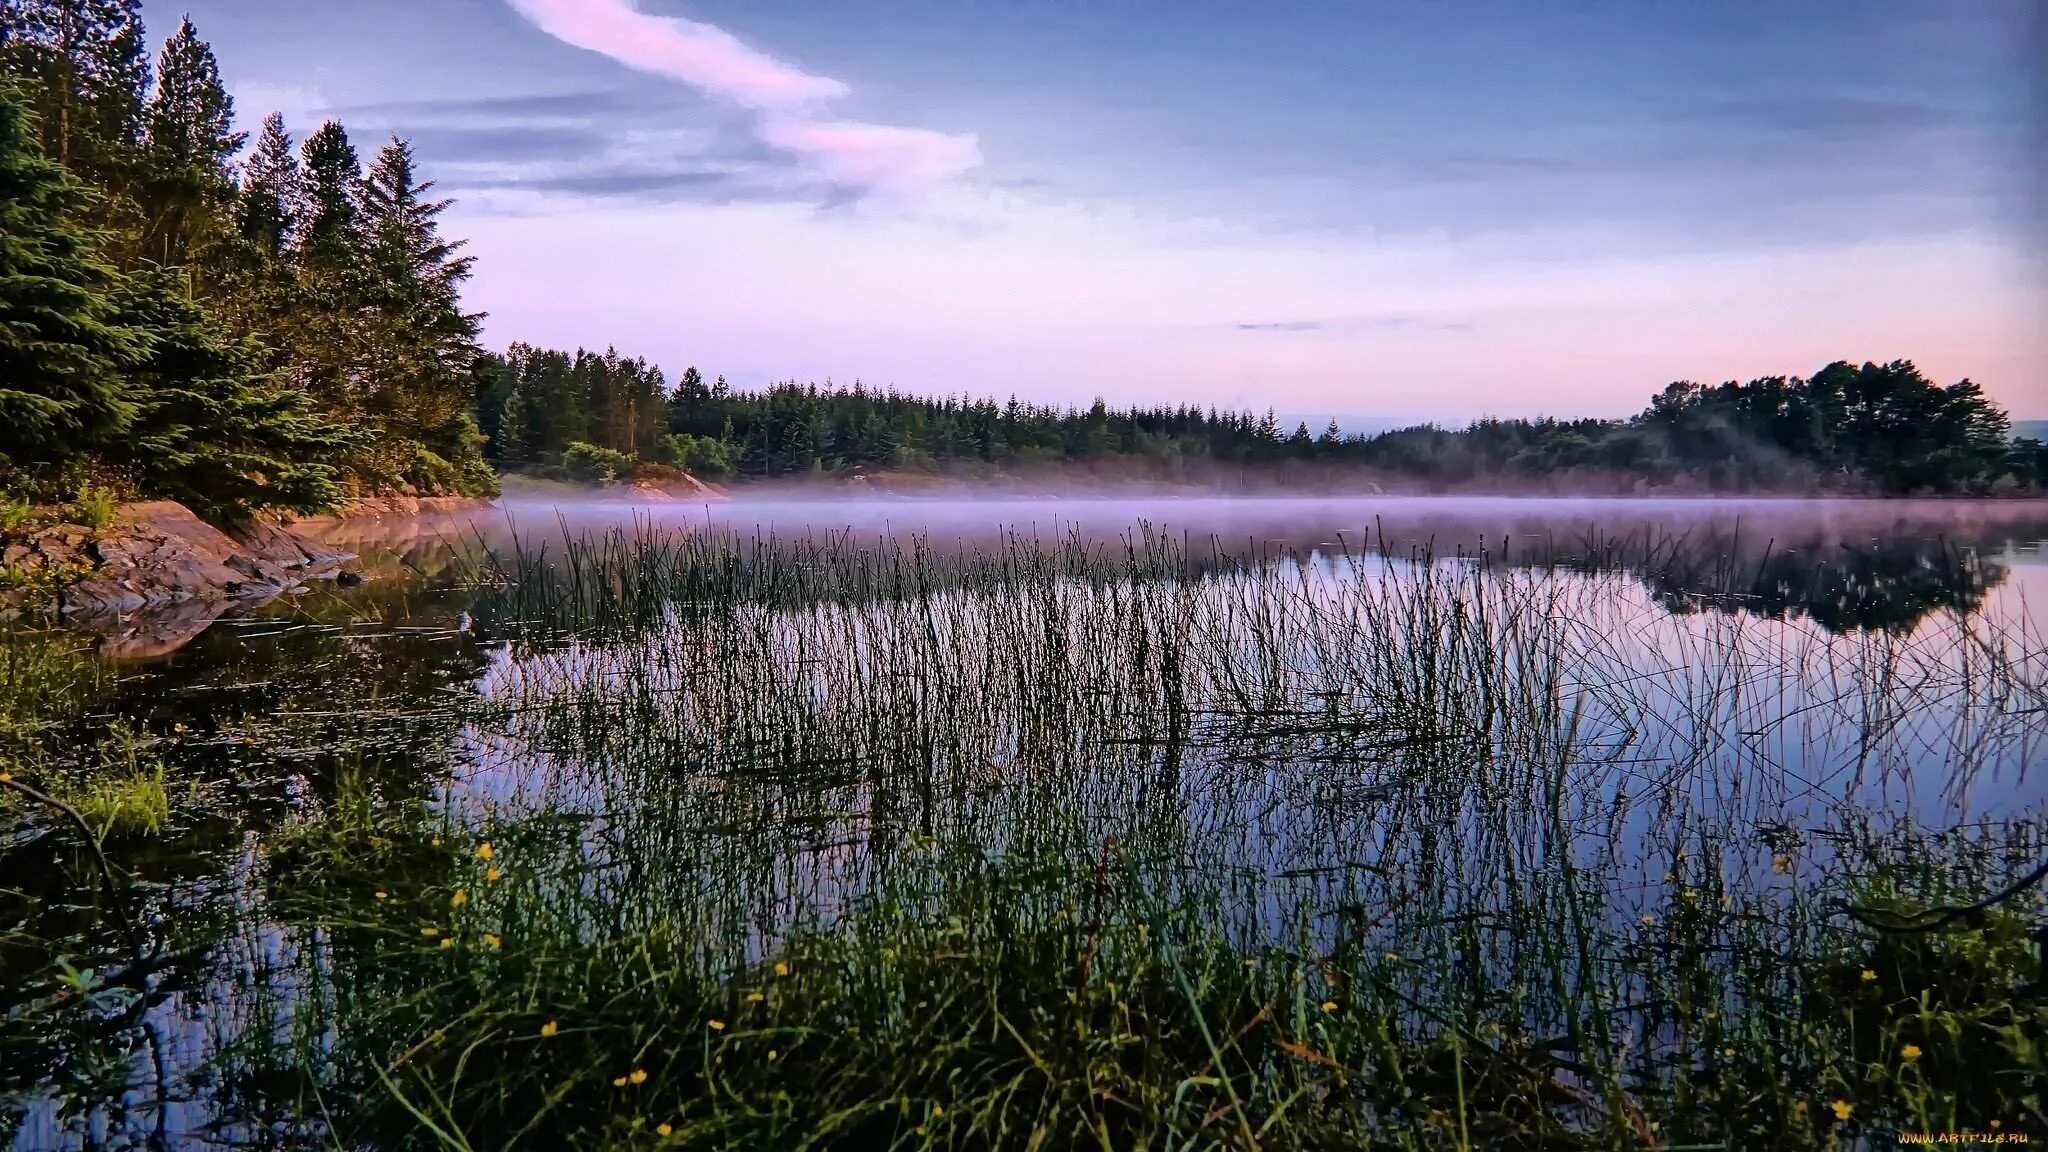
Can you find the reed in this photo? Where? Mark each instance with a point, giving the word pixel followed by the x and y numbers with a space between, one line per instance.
pixel 740 842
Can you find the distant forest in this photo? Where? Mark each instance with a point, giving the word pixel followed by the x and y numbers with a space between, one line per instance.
pixel 235 324
pixel 1877 428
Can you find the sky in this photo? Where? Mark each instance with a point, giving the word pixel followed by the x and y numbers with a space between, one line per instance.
pixel 1409 211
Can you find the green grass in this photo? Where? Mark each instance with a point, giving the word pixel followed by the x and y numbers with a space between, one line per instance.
pixel 123 805
pixel 94 507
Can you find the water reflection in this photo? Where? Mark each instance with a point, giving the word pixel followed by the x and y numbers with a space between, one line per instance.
pixel 1843 564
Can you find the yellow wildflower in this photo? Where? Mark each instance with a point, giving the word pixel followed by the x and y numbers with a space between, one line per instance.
pixel 459 898
pixel 447 942
pixel 618 1081
pixel 549 1029
pixel 492 874
pixel 782 968
pixel 1910 1053
pixel 717 1025
pixel 772 1053
pixel 664 1129
pixel 491 940
pixel 484 851
pixel 1781 864
pixel 1329 1005
pixel 755 997
pixel 382 895
pixel 430 931
pixel 637 1076
pixel 1843 1109
pixel 1869 977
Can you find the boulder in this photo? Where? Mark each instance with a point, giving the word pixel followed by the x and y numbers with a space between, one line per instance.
pixel 156 553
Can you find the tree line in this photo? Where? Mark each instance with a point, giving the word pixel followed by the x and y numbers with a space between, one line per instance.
pixel 179 320
pixel 1876 428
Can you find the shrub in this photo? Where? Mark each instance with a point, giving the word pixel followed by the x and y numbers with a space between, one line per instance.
pixel 706 457
pixel 592 464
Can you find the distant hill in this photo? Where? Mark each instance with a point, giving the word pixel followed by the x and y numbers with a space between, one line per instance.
pixel 2030 429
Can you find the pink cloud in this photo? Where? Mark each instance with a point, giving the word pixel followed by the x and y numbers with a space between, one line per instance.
pixel 703 56
pixel 875 155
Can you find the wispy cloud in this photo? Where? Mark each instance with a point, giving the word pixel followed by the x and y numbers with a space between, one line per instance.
pixel 1284 326
pixel 1359 324
pixel 703 56
pixel 874 155
pixel 789 103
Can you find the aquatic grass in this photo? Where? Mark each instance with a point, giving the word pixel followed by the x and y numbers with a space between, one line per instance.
pixel 834 843
pixel 980 1000
pixel 126 804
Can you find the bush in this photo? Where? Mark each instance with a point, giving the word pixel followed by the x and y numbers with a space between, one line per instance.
pixel 592 464
pixel 705 457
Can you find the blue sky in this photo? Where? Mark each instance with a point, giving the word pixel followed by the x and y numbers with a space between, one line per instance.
pixel 1429 211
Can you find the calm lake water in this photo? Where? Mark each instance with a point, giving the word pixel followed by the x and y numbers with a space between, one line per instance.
pixel 736 716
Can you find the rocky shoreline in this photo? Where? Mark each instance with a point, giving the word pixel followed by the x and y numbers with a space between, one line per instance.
pixel 154 575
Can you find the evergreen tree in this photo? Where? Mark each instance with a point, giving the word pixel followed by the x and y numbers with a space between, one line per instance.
pixel 189 142
pixel 512 420
pixel 209 431
pixel 410 265
pixel 84 71
pixel 63 346
pixel 419 382
pixel 267 206
pixel 328 238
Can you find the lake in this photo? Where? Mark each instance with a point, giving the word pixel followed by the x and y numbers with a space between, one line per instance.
pixel 1164 822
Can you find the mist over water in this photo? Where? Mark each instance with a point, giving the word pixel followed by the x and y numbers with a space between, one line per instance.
pixel 1858 563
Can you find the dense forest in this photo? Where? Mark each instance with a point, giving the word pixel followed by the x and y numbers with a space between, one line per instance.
pixel 239 324
pixel 185 315
pixel 1882 428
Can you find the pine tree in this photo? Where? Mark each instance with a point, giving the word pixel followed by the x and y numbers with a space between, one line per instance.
pixel 267 205
pixel 209 430
pixel 419 382
pixel 328 238
pixel 84 72
pixel 512 418
pixel 690 388
pixel 409 263
pixel 189 143
pixel 264 291
pixel 63 346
